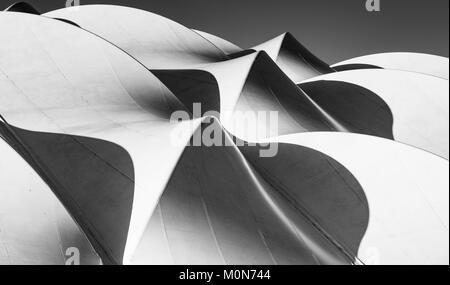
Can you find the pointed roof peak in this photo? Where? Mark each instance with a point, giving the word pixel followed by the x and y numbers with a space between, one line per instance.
pixel 23 7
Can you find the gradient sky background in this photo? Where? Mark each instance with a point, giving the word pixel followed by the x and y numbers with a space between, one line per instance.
pixel 332 29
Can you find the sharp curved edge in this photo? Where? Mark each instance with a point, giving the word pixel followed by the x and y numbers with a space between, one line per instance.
pixel 23 7
pixel 359 109
pixel 236 90
pixel 418 103
pixel 192 86
pixel 242 218
pixel 196 218
pixel 256 85
pixel 407 192
pixel 256 82
pixel 416 62
pixel 266 88
pixel 35 227
pixel 71 166
pixel 155 41
pixel 152 43
pixel 226 46
pixel 293 58
pixel 115 99
pixel 354 66
pixel 135 121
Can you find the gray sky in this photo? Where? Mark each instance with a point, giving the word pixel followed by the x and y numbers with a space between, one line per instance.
pixel 332 29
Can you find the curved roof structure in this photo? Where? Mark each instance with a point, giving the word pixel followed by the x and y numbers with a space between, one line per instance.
pixel 36 228
pixel 226 46
pixel 96 162
pixel 389 173
pixel 415 62
pixel 22 7
pixel 293 58
pixel 409 107
pixel 157 42
pixel 77 75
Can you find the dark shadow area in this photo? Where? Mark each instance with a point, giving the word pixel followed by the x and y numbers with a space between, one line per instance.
pixel 217 210
pixel 355 66
pixel 240 54
pixel 23 7
pixel 67 22
pixel 192 86
pixel 320 188
pixel 267 88
pixel 357 108
pixel 93 179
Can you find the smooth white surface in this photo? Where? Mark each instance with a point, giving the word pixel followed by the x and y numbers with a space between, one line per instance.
pixel 33 222
pixel 407 192
pixel 187 51
pixel 416 62
pixel 55 77
pixel 419 104
pixel 226 46
pixel 58 78
pixel 157 42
